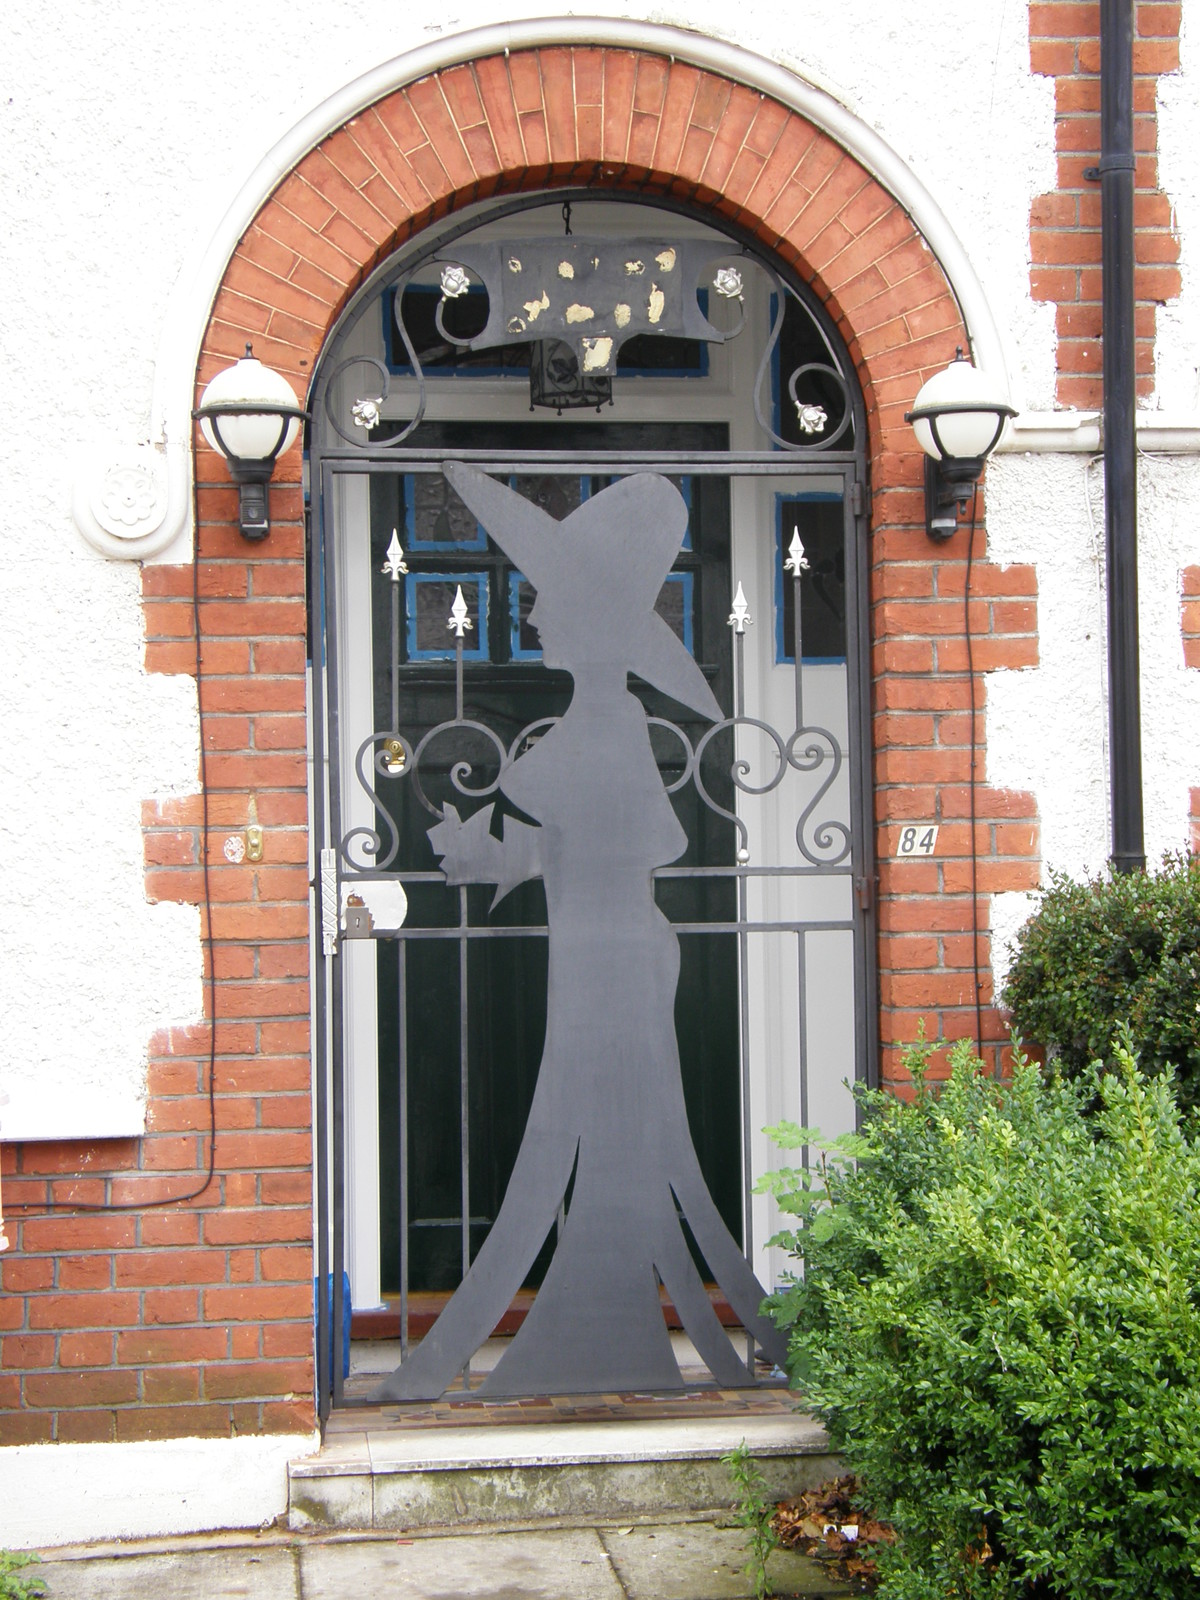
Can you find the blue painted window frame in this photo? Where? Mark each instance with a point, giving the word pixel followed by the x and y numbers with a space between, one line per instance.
pixel 413 540
pixel 471 652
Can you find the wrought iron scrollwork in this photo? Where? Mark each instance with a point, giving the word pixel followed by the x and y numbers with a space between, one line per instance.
pixel 367 412
pixel 739 771
pixel 455 282
pixel 811 416
pixel 830 837
pixel 823 840
pixel 460 771
pixel 369 841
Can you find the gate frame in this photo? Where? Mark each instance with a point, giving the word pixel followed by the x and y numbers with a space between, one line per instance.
pixel 333 459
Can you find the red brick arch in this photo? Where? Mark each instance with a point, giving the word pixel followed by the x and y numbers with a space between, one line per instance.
pixel 612 119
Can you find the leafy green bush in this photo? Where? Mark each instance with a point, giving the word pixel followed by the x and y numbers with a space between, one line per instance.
pixel 1124 949
pixel 14 1586
pixel 999 1322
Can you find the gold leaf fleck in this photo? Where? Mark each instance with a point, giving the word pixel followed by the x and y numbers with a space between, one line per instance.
pixel 666 259
pixel 654 306
pixel 565 269
pixel 621 314
pixel 578 313
pixel 534 308
pixel 596 354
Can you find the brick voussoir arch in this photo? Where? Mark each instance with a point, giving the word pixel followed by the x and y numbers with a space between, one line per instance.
pixel 612 120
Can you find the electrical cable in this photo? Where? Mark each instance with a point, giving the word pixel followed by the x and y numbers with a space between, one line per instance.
pixel 31 1209
pixel 974 742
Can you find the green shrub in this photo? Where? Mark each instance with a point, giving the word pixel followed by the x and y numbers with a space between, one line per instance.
pixel 15 1586
pixel 999 1322
pixel 1121 949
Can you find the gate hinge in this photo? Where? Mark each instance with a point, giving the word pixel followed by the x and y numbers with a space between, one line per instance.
pixel 862 890
pixel 329 901
pixel 857 499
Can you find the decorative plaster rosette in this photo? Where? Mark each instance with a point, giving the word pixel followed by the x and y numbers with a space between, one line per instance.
pixel 132 504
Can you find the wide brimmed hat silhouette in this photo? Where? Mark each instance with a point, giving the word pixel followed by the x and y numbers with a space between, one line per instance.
pixel 602 566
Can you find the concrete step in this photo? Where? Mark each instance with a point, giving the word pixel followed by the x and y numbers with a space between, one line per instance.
pixel 394 1479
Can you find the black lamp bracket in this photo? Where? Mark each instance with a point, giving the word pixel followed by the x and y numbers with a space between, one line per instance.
pixel 251 474
pixel 949 484
pixel 950 481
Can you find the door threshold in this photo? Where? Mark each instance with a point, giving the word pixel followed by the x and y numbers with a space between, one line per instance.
pixel 463 1407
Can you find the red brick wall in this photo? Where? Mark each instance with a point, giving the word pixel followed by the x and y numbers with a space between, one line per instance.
pixel 1064 43
pixel 924 701
pixel 197 1319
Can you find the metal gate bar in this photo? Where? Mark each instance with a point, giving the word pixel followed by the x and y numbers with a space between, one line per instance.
pixel 802 1024
pixel 562 463
pixel 402 1026
pixel 825 925
pixel 464 1107
pixel 792 463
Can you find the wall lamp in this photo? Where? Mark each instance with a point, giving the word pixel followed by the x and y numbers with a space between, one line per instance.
pixel 958 418
pixel 250 415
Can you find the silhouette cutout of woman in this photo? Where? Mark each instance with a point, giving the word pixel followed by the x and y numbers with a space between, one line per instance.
pixel 608 1120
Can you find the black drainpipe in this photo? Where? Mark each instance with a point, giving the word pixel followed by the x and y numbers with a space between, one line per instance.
pixel 1120 443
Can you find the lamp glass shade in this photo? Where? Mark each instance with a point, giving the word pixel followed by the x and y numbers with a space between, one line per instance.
pixel 964 434
pixel 250 436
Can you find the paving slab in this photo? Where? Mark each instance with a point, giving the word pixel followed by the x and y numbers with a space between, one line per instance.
pixel 542 1565
pixel 701 1561
pixel 661 1560
pixel 231 1574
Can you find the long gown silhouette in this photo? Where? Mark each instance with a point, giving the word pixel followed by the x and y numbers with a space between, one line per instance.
pixel 608 1108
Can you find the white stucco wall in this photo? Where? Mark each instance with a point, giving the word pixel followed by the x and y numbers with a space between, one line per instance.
pixel 1178 352
pixel 55 1494
pixel 126 132
pixel 1048 725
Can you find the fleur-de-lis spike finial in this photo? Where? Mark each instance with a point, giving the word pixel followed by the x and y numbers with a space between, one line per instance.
pixel 740 618
pixel 395 563
pixel 796 562
pixel 459 622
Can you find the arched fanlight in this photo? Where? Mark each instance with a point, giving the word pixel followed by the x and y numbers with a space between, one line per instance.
pixel 250 415
pixel 959 416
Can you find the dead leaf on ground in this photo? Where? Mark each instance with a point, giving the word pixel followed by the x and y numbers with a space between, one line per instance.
pixel 825 1523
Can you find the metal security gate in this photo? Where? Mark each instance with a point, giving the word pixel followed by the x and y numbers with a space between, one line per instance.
pixel 478 579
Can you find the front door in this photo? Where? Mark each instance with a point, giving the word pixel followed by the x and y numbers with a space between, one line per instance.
pixel 722 925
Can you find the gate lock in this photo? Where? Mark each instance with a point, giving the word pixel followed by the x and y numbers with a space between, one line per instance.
pixel 356 919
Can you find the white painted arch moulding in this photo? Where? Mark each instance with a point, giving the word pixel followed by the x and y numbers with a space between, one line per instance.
pixel 159 477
